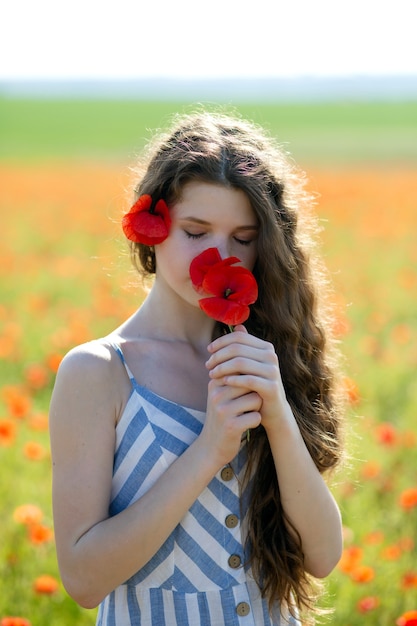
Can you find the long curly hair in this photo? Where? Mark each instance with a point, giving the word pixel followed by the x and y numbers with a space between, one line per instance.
pixel 289 313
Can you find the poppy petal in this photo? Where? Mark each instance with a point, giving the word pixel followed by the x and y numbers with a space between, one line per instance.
pixel 223 310
pixel 232 288
pixel 142 225
pixel 201 264
pixel 206 261
pixel 162 209
pixel 238 281
pixel 147 228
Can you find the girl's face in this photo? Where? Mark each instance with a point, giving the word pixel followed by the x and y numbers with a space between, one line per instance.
pixel 207 216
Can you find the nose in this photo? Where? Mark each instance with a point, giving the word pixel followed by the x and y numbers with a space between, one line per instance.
pixel 223 246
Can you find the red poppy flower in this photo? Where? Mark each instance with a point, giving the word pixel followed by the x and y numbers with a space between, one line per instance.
pixel 368 604
pixel 15 621
pixel 28 514
pixel 204 262
pixel 408 498
pixel 7 432
pixel 230 289
pixel 362 574
pixel 409 580
pixel 46 585
pixel 409 618
pixel 145 223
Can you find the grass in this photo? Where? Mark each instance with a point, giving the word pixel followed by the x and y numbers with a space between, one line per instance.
pixel 65 278
pixel 322 133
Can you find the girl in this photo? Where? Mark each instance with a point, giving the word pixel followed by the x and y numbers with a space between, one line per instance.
pixel 188 459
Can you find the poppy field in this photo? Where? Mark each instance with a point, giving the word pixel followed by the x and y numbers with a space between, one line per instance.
pixel 66 278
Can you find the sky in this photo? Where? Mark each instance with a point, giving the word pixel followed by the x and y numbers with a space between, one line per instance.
pixel 124 39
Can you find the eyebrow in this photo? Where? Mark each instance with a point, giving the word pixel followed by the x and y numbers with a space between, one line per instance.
pixel 197 220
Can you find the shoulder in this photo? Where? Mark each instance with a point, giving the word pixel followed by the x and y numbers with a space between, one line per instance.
pixel 83 413
pixel 94 358
pixel 92 365
pixel 90 374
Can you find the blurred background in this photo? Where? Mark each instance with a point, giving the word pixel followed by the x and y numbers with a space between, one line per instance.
pixel 271 61
pixel 83 87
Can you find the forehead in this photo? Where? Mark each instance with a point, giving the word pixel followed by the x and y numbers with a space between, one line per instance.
pixel 210 201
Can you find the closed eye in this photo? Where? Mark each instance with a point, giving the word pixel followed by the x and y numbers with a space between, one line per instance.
pixel 243 242
pixel 193 235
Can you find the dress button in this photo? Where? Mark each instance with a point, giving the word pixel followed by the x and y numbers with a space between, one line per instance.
pixel 234 561
pixel 232 521
pixel 243 608
pixel 227 473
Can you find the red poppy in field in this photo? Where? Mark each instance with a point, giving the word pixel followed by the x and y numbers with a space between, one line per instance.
pixel 34 451
pixel 147 223
pixel 14 621
pixel 386 434
pixel 28 514
pixel 7 432
pixel 369 603
pixel 408 498
pixel 17 401
pixel 391 553
pixel 46 585
pixel 409 618
pixel 37 376
pixel 371 469
pixel 53 361
pixel 230 289
pixel 351 558
pixel 39 534
pixel 362 574
pixel 374 538
pixel 409 580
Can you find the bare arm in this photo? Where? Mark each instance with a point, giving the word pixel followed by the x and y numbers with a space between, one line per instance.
pixel 306 498
pixel 96 552
pixel 304 494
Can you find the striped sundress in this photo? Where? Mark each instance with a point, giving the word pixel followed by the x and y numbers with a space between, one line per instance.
pixel 197 577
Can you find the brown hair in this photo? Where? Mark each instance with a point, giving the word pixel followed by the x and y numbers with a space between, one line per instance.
pixel 227 150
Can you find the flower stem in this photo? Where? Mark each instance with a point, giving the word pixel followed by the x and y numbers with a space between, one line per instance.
pixel 231 329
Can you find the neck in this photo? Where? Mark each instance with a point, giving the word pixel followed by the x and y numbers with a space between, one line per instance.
pixel 173 319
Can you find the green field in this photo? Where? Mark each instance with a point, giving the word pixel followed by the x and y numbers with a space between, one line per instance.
pixel 65 278
pixel 318 134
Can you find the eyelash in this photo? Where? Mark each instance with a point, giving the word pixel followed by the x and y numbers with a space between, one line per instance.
pixel 242 242
pixel 193 236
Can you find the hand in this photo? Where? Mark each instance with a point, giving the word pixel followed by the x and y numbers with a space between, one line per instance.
pixel 231 411
pixel 249 364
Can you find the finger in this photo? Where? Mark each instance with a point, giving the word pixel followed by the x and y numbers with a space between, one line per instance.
pixel 233 399
pixel 237 336
pixel 220 393
pixel 246 399
pixel 241 353
pixel 247 382
pixel 248 421
pixel 239 328
pixel 244 366
pixel 268 390
pixel 247 403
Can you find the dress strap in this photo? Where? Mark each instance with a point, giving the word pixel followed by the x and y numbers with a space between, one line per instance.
pixel 119 352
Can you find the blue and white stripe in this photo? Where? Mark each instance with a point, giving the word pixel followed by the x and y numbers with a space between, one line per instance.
pixel 189 581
